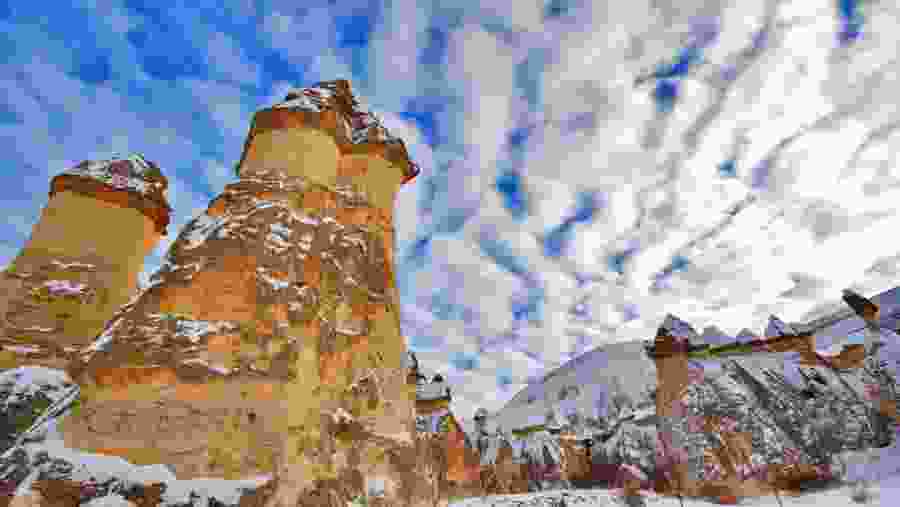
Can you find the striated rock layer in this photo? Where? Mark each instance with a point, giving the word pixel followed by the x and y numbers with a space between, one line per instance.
pixel 82 259
pixel 269 341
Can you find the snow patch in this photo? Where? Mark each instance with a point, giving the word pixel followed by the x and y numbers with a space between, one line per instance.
pixel 202 490
pixel 26 381
pixel 200 229
pixel 194 330
pixel 120 173
pixel 281 230
pixel 108 501
pixel 104 340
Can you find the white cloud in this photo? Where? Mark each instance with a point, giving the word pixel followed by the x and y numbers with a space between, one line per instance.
pixel 483 67
pixel 394 51
pixel 836 219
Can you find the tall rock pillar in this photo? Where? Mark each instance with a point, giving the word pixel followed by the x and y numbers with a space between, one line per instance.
pixel 82 259
pixel 269 341
pixel 670 354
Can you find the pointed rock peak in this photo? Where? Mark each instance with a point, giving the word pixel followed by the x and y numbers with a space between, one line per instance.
pixel 778 327
pixel 678 328
pixel 863 307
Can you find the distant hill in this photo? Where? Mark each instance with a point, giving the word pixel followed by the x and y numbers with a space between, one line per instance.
pixel 582 384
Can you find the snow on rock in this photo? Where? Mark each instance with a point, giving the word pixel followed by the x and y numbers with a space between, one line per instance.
pixel 192 329
pixel 535 445
pixel 103 341
pixel 108 501
pixel 199 229
pixel 23 383
pixel 133 173
pixel 431 391
pixel 105 478
pixel 610 498
pixel 29 395
pixel 207 491
pixel 65 288
pixel 364 125
pixel 568 498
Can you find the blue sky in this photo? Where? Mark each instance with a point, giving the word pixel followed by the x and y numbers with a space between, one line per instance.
pixel 571 153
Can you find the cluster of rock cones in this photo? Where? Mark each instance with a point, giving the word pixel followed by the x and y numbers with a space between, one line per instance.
pixel 268 344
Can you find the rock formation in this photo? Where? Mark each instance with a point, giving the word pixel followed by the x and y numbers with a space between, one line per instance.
pixel 82 259
pixel 501 471
pixel 435 420
pixel 541 456
pixel 269 341
pixel 769 432
pixel 38 470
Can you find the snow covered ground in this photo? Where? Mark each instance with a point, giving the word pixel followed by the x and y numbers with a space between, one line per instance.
pixel 883 493
pixel 38 452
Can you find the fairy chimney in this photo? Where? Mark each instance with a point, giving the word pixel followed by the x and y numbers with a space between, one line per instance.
pixel 435 420
pixel 82 259
pixel 269 340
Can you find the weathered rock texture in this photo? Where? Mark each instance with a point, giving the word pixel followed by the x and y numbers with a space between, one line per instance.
pixel 747 430
pixel 38 470
pixel 435 420
pixel 82 259
pixel 269 341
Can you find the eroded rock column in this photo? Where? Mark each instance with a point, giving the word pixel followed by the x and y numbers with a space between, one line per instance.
pixel 82 259
pixel 269 342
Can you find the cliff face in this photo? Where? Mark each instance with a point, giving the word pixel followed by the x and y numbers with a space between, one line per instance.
pixel 269 341
pixel 82 259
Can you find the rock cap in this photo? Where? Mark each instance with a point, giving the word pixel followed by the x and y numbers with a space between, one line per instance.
pixel 130 181
pixel 357 128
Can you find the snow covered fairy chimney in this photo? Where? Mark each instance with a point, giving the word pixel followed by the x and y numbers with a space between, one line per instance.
pixel 670 353
pixel 435 419
pixel 269 340
pixel 82 259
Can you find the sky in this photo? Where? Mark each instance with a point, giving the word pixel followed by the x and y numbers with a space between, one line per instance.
pixel 587 167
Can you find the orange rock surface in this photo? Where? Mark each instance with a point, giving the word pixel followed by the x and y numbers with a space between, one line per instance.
pixel 271 331
pixel 68 280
